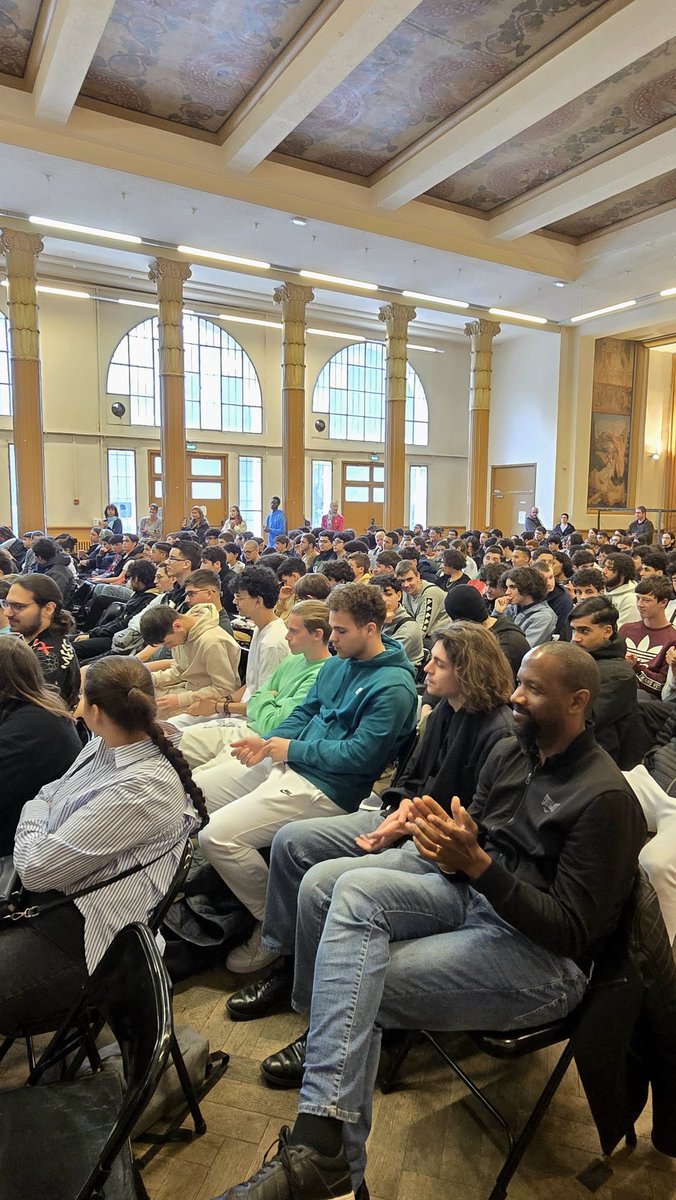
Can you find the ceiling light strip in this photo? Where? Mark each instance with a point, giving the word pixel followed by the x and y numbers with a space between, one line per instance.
pixel 90 230
pixel 334 333
pixel 436 299
pixel 249 321
pixel 355 283
pixel 235 259
pixel 600 312
pixel 668 292
pixel 517 316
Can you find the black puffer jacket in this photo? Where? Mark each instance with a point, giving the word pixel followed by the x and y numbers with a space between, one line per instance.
pixel 660 761
pixel 617 722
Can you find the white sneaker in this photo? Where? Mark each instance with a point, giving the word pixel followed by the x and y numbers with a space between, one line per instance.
pixel 251 955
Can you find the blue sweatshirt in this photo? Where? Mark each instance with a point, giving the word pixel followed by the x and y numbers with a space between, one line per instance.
pixel 352 723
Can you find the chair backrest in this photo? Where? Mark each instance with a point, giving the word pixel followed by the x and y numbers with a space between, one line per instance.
pixel 131 992
pixel 160 911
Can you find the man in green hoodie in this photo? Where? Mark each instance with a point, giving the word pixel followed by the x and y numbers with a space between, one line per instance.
pixel 320 761
pixel 307 634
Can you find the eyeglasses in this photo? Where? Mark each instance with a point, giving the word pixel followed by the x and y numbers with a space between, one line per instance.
pixel 14 607
pixel 177 558
pixel 189 593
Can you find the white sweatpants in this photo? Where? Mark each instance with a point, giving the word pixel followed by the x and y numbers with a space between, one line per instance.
pixel 211 740
pixel 247 806
pixel 658 856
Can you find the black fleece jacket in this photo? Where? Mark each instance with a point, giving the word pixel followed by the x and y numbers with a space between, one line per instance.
pixel 564 837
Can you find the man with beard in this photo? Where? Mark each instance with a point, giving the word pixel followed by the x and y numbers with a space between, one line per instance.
pixel 486 919
pixel 36 612
pixel 619 574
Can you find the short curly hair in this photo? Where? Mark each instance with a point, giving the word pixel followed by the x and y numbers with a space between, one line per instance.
pixel 363 603
pixel 258 581
pixel 527 581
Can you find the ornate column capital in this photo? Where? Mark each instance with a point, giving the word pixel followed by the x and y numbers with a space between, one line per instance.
pixel 490 328
pixel 169 275
pixel 396 319
pixel 293 299
pixel 21 251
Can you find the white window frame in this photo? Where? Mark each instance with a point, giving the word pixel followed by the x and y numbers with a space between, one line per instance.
pixel 129 520
pixel 252 513
pixel 417 508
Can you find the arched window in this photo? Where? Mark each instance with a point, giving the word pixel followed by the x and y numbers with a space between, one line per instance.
pixel 351 389
pixel 221 386
pixel 5 379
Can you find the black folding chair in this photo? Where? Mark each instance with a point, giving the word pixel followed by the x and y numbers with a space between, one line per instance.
pixel 70 1140
pixel 505 1045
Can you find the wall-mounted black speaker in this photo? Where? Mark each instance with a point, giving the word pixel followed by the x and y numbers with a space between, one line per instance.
pixel 118 409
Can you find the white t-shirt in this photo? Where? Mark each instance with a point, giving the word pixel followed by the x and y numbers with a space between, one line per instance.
pixel 268 647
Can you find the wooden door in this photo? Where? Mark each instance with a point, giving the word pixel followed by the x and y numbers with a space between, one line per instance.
pixel 512 496
pixel 207 483
pixel 363 494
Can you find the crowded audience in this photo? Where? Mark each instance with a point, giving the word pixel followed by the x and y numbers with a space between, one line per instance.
pixel 439 739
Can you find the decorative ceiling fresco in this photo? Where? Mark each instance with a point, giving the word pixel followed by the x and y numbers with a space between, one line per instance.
pixel 192 65
pixel 18 19
pixel 443 56
pixel 636 99
pixel 632 203
pixel 190 61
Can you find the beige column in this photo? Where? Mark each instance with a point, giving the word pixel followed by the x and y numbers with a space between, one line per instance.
pixel 395 318
pixel 169 276
pixel 21 251
pixel 669 485
pixel 480 334
pixel 293 299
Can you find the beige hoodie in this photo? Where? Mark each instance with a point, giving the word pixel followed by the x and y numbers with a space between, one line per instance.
pixel 205 666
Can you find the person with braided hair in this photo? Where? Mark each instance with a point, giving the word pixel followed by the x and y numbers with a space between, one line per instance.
pixel 128 802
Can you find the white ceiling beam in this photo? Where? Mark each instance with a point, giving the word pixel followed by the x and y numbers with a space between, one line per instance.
pixel 588 186
pixel 603 43
pixel 339 36
pixel 74 34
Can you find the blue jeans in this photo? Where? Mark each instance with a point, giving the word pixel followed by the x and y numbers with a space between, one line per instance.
pixel 387 941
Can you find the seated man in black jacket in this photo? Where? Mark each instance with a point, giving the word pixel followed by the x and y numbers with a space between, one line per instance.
pixel 617 720
pixel 654 782
pixel 488 918
pixel 141 577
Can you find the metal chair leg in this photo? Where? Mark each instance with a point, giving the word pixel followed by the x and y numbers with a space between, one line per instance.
pixel 524 1139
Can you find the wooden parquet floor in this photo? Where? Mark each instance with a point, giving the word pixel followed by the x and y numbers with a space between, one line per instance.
pixel 426 1144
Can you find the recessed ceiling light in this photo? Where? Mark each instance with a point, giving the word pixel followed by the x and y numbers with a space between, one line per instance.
pixel 519 316
pixel 436 299
pixel 599 312
pixel 88 229
pixel 194 252
pixel 355 283
pixel 298 221
pixel 250 321
pixel 559 283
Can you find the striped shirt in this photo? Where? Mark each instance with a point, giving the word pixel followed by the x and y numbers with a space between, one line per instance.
pixel 113 809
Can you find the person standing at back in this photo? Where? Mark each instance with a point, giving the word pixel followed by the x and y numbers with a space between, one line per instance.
pixel 275 522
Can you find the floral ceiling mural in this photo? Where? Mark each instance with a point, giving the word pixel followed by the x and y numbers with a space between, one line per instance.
pixel 190 61
pixel 633 100
pixel 444 55
pixel 632 203
pixel 18 19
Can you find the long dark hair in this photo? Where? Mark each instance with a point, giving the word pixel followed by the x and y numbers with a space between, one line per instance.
pixel 22 679
pixel 123 689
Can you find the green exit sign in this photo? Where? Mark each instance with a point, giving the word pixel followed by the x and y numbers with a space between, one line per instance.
pixel 191 445
pixel 374 458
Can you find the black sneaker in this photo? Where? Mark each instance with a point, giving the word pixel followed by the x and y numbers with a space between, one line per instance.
pixel 295 1173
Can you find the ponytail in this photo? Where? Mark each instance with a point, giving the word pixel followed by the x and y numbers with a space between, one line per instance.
pixel 123 689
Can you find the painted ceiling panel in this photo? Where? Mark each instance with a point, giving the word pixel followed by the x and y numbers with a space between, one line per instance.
pixel 190 61
pixel 444 55
pixel 635 99
pixel 632 203
pixel 18 19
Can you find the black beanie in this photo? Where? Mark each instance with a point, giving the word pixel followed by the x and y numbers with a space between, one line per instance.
pixel 464 603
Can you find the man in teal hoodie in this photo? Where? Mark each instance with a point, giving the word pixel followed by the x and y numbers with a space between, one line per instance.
pixel 323 759
pixel 307 634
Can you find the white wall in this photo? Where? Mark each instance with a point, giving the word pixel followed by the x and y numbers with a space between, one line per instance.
pixel 77 340
pixel 524 402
